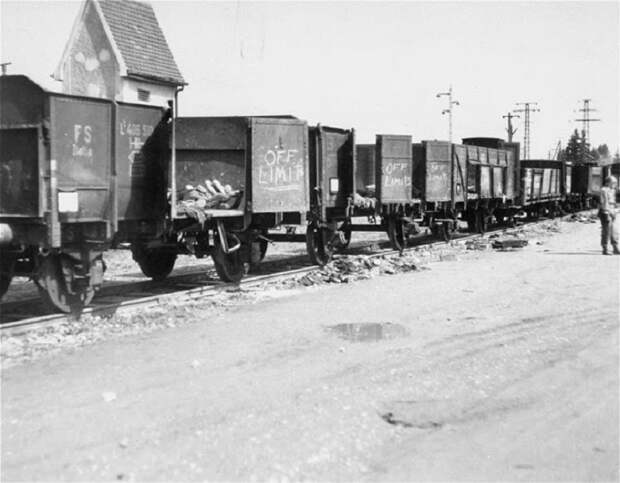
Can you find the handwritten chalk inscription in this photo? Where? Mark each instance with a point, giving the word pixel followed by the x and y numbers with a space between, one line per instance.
pixel 280 169
pixel 396 173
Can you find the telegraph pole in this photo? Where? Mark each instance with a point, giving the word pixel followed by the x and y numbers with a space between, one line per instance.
pixel 448 110
pixel 527 109
pixel 585 129
pixel 5 66
pixel 509 128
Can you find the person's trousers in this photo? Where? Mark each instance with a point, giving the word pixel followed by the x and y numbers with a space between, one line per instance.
pixel 607 230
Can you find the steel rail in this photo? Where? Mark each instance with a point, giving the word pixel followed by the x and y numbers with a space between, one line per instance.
pixel 21 326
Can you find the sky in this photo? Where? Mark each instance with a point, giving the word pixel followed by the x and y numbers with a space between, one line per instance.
pixel 373 66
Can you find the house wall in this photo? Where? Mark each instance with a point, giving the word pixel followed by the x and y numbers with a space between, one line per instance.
pixel 159 94
pixel 91 69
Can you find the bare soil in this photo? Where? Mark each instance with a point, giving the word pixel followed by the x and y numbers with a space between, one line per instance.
pixel 487 365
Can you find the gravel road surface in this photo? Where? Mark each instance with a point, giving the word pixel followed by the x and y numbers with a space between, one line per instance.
pixel 490 366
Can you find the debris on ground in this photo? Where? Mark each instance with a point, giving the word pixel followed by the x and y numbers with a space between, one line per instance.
pixel 509 243
pixel 478 244
pixel 581 218
pixel 351 268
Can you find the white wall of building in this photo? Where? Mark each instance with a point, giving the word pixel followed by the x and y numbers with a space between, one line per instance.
pixel 159 94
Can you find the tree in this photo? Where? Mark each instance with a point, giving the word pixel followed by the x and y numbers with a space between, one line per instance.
pixel 603 151
pixel 574 149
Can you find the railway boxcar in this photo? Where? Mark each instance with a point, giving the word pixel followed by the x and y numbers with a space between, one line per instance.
pixel 349 181
pixel 470 181
pixel 587 180
pixel 492 186
pixel 382 189
pixel 543 186
pixel 56 201
pixel 260 164
pixel 332 182
pixel 439 177
pixel 69 168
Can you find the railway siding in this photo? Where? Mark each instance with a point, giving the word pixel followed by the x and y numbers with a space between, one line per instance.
pixel 47 335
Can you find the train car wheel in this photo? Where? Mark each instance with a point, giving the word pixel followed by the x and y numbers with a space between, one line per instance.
pixel 155 263
pixel 442 231
pixel 53 290
pixel 345 239
pixel 446 231
pixel 258 250
pixel 396 233
pixel 263 244
pixel 317 245
pixel 482 222
pixel 472 221
pixel 229 266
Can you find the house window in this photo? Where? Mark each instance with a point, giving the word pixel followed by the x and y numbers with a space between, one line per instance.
pixel 144 95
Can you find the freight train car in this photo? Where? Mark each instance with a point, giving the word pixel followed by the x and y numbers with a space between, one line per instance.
pixel 544 187
pixel 349 182
pixel 232 179
pixel 60 196
pixel 55 195
pixel 586 184
pixel 468 181
pixel 68 168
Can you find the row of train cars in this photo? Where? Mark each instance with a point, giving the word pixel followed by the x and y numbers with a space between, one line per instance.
pixel 81 175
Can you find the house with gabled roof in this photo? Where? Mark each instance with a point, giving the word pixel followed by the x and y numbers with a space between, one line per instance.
pixel 118 51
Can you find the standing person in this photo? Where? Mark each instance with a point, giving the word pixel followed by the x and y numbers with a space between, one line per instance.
pixel 607 214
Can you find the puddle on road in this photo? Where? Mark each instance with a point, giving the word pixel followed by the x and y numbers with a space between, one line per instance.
pixel 368 332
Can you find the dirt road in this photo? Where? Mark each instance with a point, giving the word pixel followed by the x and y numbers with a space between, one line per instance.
pixel 496 366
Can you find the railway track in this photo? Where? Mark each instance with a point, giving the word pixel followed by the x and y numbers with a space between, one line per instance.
pixel 18 317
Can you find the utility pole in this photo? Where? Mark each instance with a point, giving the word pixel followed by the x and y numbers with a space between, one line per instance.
pixel 4 66
pixel 527 109
pixel 448 111
pixel 510 129
pixel 558 150
pixel 585 129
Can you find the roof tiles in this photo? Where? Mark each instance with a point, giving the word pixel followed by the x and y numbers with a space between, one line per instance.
pixel 140 40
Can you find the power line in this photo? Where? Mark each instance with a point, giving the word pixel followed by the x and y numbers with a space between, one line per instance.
pixel 527 109
pixel 586 120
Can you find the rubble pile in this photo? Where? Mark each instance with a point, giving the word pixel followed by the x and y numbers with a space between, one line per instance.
pixel 478 244
pixel 351 268
pixel 581 218
pixel 194 200
pixel 509 243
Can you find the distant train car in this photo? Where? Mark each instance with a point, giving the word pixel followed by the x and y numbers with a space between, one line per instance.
pixel 349 181
pixel 586 184
pixel 492 180
pixel 543 186
pixel 465 181
pixel 383 188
